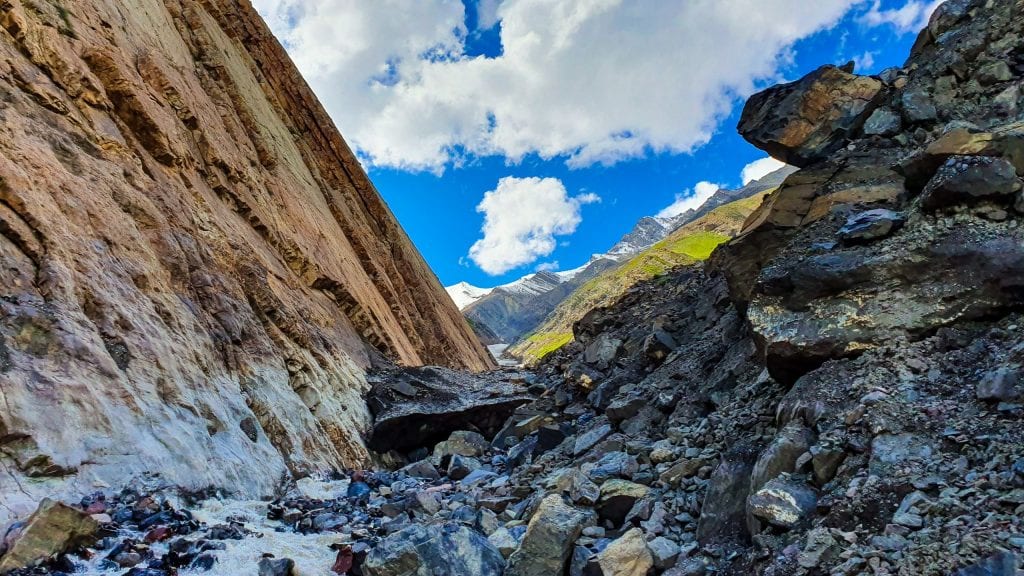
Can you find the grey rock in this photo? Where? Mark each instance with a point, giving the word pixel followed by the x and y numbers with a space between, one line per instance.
pixel 998 564
pixel 783 502
pixel 421 469
pixel 435 549
pixel 276 567
pixel 994 73
pixel 463 443
pixel 602 351
pixel 723 514
pixel 617 499
pixel 883 122
pixel 781 455
pixel 1002 384
pixel 918 106
pixel 964 179
pixel 871 225
pixel 548 540
pixel 664 552
pixel 589 439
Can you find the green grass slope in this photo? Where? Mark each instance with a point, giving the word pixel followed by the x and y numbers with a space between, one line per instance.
pixel 692 243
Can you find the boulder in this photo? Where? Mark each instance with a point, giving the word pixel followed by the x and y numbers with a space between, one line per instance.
pixel 53 529
pixel 883 122
pixel 417 407
pixel 1006 141
pixel 918 106
pixel 1002 384
pixel 463 443
pixel 435 549
pixel 421 469
pixel 617 499
pixel 783 502
pixel 276 567
pixel 870 225
pixel 664 552
pixel 802 122
pixel 549 539
pixel 589 439
pixel 723 514
pixel 626 556
pixel 998 564
pixel 965 179
pixel 781 455
pixel 603 351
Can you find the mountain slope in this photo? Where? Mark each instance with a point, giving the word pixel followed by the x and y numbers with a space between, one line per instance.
pixel 691 243
pixel 515 309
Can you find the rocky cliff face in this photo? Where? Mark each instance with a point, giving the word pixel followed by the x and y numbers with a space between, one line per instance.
pixel 195 269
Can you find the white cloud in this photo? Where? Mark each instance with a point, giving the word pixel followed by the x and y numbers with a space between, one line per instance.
pixel 864 62
pixel 911 17
pixel 690 199
pixel 594 81
pixel 759 169
pixel 547 267
pixel 522 216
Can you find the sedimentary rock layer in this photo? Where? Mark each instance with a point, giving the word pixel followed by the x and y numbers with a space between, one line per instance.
pixel 193 265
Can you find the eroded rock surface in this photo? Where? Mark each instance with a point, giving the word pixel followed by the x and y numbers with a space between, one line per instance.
pixel 194 264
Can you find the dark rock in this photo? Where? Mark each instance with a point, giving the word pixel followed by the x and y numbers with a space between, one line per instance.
pixel 964 179
pixel 548 540
pixel 918 106
pixel 446 401
pixel 723 514
pixel 802 122
pixel 617 499
pixel 421 469
pixel 1000 385
pixel 999 564
pixel 435 549
pixel 871 225
pixel 461 466
pixel 276 567
pixel 883 122
pixel 783 502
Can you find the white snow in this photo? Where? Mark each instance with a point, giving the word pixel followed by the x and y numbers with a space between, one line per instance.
pixel 465 294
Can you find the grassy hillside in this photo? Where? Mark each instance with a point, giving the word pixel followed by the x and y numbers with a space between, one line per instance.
pixel 691 243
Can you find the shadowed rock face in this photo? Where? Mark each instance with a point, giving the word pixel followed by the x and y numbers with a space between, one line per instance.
pixel 194 264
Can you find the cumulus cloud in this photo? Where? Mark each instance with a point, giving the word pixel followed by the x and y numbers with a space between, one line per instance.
pixel 547 267
pixel 593 81
pixel 690 199
pixel 759 169
pixel 911 17
pixel 522 217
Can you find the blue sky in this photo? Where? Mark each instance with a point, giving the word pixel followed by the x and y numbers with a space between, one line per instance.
pixel 578 120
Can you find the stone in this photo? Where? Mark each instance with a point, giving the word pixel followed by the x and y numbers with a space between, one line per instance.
pixel 53 529
pixel 421 469
pixel 628 555
pixel 871 225
pixel 463 443
pixel 624 408
pixel 617 498
pixel 781 455
pixel 613 465
pixel 783 502
pixel 548 540
pixel 1006 141
pixel 446 401
pixel 505 540
pixel 724 511
pixel 994 73
pixel 461 467
pixel 664 552
pixel 602 351
pixel 964 179
pixel 998 564
pixel 883 121
pixel 918 106
pixel 434 549
pixel 518 428
pixel 820 547
pixel 1000 385
pixel 276 567
pixel 825 462
pixel 685 468
pixel 589 439
pixel 803 121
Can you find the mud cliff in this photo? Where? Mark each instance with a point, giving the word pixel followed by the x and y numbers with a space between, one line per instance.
pixel 195 268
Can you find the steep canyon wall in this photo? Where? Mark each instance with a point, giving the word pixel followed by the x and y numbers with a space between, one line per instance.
pixel 193 265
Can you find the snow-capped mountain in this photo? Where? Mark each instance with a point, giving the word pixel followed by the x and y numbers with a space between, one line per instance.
pixel 465 293
pixel 509 311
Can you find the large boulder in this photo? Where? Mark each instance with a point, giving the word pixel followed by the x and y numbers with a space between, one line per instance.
pixel 437 549
pixel 549 539
pixel 418 407
pixel 723 515
pixel 803 121
pixel 626 556
pixel 53 529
